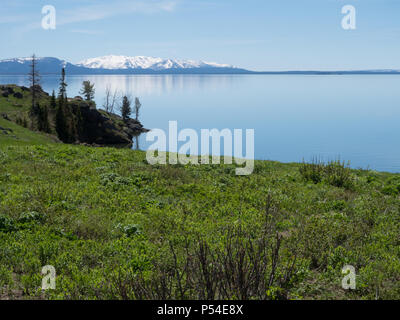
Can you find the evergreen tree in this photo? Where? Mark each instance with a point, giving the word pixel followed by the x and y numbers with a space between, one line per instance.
pixel 61 126
pixel 126 108
pixel 88 90
pixel 63 86
pixel 61 121
pixel 45 120
pixel 39 117
pixel 79 123
pixel 34 80
pixel 53 103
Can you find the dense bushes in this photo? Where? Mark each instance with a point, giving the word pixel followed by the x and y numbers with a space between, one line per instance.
pixel 334 173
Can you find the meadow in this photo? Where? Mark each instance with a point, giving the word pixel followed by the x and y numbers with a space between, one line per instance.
pixel 116 227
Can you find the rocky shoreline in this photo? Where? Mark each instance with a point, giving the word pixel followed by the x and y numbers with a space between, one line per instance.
pixel 98 127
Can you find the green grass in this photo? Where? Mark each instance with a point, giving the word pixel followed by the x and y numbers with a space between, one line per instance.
pixel 115 227
pixel 21 135
pixel 111 224
pixel 12 105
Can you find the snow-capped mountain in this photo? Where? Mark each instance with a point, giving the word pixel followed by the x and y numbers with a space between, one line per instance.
pixel 112 62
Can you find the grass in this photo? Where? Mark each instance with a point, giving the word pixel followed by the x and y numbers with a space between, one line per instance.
pixel 115 227
pixel 20 135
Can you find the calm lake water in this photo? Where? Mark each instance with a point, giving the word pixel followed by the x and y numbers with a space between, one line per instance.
pixel 356 118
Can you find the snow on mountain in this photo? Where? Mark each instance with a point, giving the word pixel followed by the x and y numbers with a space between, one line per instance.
pixel 140 62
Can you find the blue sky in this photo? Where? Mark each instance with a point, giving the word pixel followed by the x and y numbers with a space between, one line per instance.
pixel 253 34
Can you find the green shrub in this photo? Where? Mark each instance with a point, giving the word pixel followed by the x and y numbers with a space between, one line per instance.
pixel 390 190
pixel 339 175
pixel 334 173
pixel 7 224
pixel 30 217
pixel 313 171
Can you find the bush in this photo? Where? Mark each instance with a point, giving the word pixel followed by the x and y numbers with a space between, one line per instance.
pixel 7 224
pixel 339 175
pixel 29 217
pixel 390 190
pixel 334 173
pixel 312 171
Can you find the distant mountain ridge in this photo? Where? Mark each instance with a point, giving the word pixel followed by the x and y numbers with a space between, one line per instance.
pixel 148 65
pixel 118 65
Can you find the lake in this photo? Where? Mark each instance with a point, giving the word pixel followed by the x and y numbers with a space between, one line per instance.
pixel 295 117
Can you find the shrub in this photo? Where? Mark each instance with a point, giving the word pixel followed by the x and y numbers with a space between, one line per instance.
pixel 312 171
pixel 390 190
pixel 334 173
pixel 7 224
pixel 339 175
pixel 33 216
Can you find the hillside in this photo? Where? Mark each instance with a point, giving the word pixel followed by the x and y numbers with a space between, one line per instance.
pixel 97 127
pixel 115 227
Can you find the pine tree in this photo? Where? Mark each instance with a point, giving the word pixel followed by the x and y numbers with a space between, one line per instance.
pixel 63 86
pixel 88 90
pixel 126 108
pixel 79 123
pixel 34 80
pixel 61 122
pixel 39 117
pixel 53 103
pixel 45 120
pixel 61 126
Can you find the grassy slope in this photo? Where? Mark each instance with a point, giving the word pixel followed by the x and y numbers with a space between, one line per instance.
pixel 89 202
pixel 21 136
pixel 14 108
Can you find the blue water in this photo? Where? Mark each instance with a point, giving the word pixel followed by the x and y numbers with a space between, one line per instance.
pixel 295 117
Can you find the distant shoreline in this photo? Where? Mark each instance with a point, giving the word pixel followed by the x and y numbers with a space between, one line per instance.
pixel 311 73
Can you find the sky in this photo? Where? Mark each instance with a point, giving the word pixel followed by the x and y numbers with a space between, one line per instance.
pixel 261 35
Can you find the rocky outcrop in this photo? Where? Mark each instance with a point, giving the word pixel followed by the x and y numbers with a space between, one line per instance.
pixel 103 128
pixel 84 124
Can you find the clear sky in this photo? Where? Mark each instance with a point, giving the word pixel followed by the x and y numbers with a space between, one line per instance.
pixel 253 34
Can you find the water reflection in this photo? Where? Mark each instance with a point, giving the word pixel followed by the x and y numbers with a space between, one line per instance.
pixel 136 145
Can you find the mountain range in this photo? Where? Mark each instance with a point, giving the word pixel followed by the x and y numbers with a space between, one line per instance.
pixel 113 64
pixel 118 65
